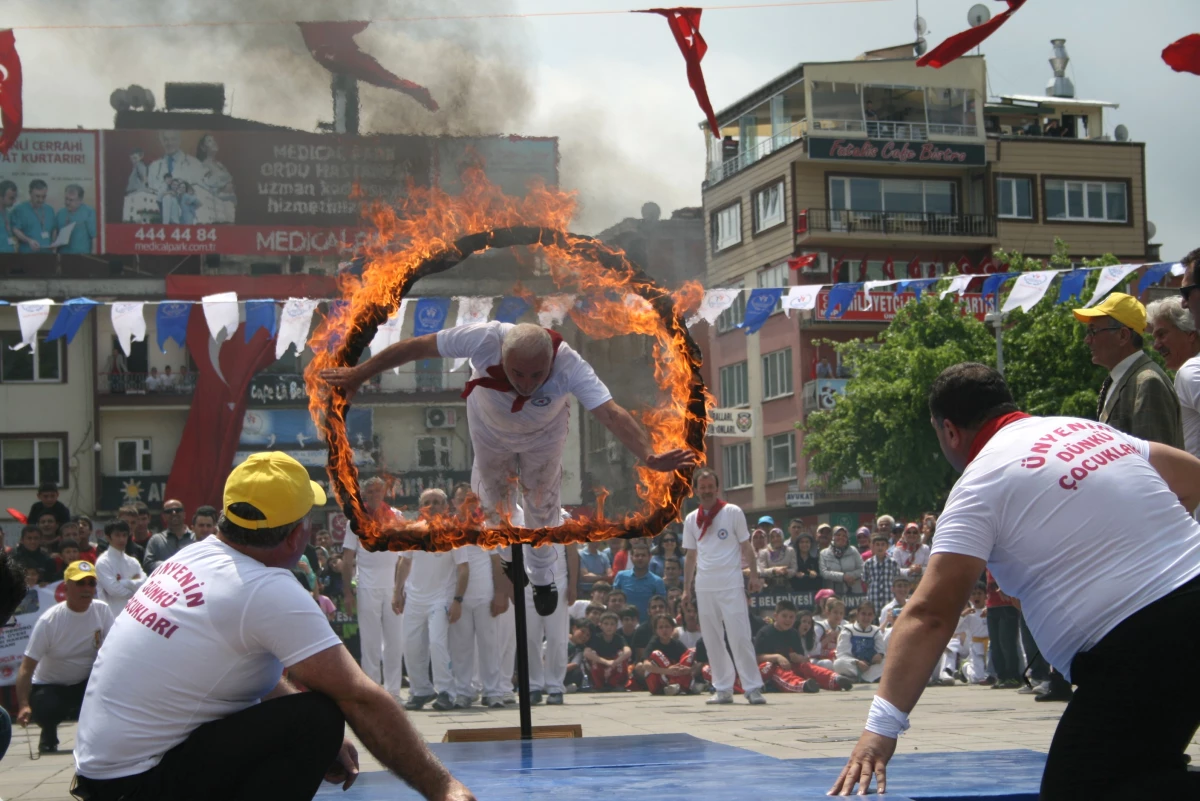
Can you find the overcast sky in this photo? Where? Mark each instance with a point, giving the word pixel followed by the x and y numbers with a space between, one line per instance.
pixel 612 87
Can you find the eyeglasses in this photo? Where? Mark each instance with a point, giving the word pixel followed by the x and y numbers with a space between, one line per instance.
pixel 1089 333
pixel 1186 290
pixel 173 511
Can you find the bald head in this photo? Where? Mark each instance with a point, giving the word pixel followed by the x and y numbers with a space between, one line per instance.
pixel 527 355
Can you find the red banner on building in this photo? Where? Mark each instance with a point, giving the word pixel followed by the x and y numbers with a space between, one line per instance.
pixel 884 306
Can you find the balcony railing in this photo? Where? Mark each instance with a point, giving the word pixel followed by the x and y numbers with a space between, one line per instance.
pixel 747 156
pixel 901 131
pixel 842 221
pixel 145 384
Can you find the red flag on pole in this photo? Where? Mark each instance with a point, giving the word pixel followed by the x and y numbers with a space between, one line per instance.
pixel 958 44
pixel 685 25
pixel 889 269
pixel 1184 55
pixel 10 90
pixel 931 270
pixel 862 269
pixel 801 262
pixel 332 45
pixel 914 268
pixel 964 266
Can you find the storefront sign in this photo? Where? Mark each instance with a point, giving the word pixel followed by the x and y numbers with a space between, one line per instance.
pixel 884 306
pixel 801 499
pixel 731 423
pixel 897 152
pixel 118 491
pixel 267 389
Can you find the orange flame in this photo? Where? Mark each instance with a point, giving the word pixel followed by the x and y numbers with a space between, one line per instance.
pixel 433 231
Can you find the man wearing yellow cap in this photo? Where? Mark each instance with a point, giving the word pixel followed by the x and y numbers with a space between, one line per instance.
pixel 60 655
pixel 1137 397
pixel 193 671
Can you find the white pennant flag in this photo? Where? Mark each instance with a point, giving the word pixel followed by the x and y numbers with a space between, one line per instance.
pixel 1177 269
pixel 294 323
pixel 715 301
pixel 31 313
pixel 1109 278
pixel 959 284
pixel 871 286
pixel 388 333
pixel 802 298
pixel 1029 290
pixel 221 314
pixel 554 310
pixel 129 324
pixel 471 310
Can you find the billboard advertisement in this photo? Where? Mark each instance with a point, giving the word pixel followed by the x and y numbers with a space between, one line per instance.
pixel 40 214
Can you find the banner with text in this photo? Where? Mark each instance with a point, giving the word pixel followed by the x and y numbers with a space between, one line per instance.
pixel 896 152
pixel 56 159
pixel 14 638
pixel 884 306
pixel 731 423
pixel 764 600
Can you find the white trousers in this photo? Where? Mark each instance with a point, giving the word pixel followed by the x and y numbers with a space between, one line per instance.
pixel 975 664
pixel 724 614
pixel 475 633
pixel 426 639
pixel 381 638
pixel 506 640
pixel 847 666
pixel 548 665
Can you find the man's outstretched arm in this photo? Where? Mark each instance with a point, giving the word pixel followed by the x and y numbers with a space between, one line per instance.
pixel 401 353
pixel 631 434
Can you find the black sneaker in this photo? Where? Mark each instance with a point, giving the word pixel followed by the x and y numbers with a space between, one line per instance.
pixel 1056 693
pixel 554 699
pixel 518 581
pixel 416 702
pixel 811 686
pixel 545 599
pixel 844 683
pixel 47 748
pixel 443 702
pixel 535 697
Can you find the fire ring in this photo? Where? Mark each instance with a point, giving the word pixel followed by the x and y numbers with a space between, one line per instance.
pixel 362 321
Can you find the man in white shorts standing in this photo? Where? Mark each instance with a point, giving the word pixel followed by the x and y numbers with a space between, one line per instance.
pixel 517 411
pixel 380 629
pixel 718 543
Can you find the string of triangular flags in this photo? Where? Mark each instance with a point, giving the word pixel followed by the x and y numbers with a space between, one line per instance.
pixel 1029 290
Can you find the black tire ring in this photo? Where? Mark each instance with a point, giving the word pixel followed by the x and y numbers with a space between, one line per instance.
pixel 441 538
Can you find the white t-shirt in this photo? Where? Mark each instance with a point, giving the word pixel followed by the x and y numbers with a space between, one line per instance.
pixel 431 578
pixel 1055 506
pixel 115 577
pixel 1187 387
pixel 208 635
pixel 719 554
pixel 65 643
pixel 571 375
pixel 376 570
pixel 479 583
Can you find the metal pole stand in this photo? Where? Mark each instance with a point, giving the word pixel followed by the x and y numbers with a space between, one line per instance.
pixel 518 569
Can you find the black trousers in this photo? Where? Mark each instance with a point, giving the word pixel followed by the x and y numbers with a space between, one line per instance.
pixel 1003 624
pixel 1119 737
pixel 51 704
pixel 279 749
pixel 1039 669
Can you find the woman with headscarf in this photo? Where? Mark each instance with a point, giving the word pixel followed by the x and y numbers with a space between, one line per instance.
pixel 841 565
pixel 808 564
pixel 777 562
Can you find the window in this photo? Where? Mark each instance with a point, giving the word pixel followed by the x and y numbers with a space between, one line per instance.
pixel 737 465
pixel 768 207
pixel 781 457
pixel 893 195
pixel 735 386
pixel 433 452
pixel 597 436
pixel 727 227
pixel 1087 201
pixel 732 317
pixel 777 374
pixel 29 462
pixel 837 101
pixel 429 375
pixel 27 367
pixel 1014 198
pixel 133 457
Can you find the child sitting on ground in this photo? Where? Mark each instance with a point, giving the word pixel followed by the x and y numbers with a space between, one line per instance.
pixel 581 633
pixel 629 623
pixel 830 627
pixel 781 660
pixel 972 637
pixel 890 613
pixel 607 655
pixel 667 669
pixel 861 647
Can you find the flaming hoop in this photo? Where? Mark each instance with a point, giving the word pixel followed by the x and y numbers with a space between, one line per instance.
pixel 441 231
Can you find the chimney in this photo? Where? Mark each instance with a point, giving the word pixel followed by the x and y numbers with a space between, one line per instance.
pixel 1060 85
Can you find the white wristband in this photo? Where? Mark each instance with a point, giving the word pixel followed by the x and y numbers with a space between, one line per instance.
pixel 885 719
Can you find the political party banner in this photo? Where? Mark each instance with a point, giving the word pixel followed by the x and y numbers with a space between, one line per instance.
pixel 884 306
pixel 731 423
pixel 15 633
pixel 118 491
pixel 37 209
pixel 765 599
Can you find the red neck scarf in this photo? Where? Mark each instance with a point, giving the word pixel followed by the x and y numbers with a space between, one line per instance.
pixel 989 430
pixel 704 518
pixel 497 379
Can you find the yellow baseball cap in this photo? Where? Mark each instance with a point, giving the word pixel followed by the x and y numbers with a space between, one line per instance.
pixel 79 570
pixel 276 485
pixel 1125 309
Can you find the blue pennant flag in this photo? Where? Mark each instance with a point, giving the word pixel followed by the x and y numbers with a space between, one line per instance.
pixel 70 317
pixel 991 287
pixel 759 307
pixel 916 286
pixel 430 316
pixel 260 314
pixel 511 309
pixel 1071 285
pixel 1153 275
pixel 841 296
pixel 172 321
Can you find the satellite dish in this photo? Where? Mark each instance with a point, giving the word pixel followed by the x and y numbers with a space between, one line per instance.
pixel 137 96
pixel 1151 230
pixel 919 26
pixel 1121 133
pixel 150 103
pixel 119 100
pixel 920 46
pixel 978 15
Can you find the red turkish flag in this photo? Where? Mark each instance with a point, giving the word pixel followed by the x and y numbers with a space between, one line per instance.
pixel 332 45
pixel 914 268
pixel 965 268
pixel 958 44
pixel 685 25
pixel 889 269
pixel 800 262
pixel 10 90
pixel 1184 55
pixel 862 269
pixel 931 271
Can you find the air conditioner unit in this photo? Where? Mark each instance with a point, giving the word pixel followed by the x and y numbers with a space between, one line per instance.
pixel 438 417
